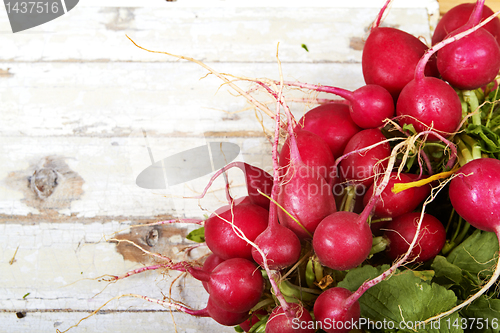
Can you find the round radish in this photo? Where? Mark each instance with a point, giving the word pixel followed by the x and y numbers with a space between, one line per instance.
pixel 278 322
pixel 342 241
pixel 235 285
pixel 427 102
pixel 220 237
pixel 458 16
pixel 280 245
pixel 390 57
pixel 475 193
pixel 473 61
pixel 333 311
pixel 333 123
pixel 401 230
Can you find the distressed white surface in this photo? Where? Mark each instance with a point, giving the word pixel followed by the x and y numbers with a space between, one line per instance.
pixel 221 34
pixel 76 89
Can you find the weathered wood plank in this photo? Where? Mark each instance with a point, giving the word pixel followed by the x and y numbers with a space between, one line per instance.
pixel 211 34
pixel 165 99
pixel 97 177
pixel 117 322
pixel 58 265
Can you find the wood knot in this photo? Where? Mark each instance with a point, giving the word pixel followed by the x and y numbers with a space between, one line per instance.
pixel 43 182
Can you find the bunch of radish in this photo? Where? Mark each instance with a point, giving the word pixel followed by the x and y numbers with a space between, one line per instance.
pixel 392 177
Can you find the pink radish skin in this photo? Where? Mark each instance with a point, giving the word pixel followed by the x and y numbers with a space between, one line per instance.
pixel 224 317
pixel 393 204
pixel 278 322
pixel 429 102
pixel 280 245
pixel 307 197
pixel 314 151
pixel 473 61
pixel 475 193
pixel 369 105
pixel 333 123
pixel 235 285
pixel 390 57
pixel 360 168
pixel 342 241
pixel 401 230
pixel 458 16
pixel 258 179
pixel 220 236
pixel 210 263
pixel 331 310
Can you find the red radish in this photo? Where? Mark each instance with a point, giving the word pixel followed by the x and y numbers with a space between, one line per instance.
pixel 222 239
pixel 393 204
pixel 304 195
pixel 222 316
pixel 258 179
pixel 342 241
pixel 475 193
pixel 458 16
pixel 428 102
pixel 334 312
pixel 235 285
pixel 307 197
pixel 314 152
pixel 280 245
pixel 401 230
pixel 473 61
pixel 210 263
pixel 360 168
pixel 369 105
pixel 278 322
pixel 333 123
pixel 390 57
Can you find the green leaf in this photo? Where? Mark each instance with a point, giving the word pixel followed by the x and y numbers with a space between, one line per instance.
pixel 447 274
pixel 409 127
pixel 197 235
pixel 477 254
pixel 483 312
pixel 402 298
pixel 304 46
pixel 238 329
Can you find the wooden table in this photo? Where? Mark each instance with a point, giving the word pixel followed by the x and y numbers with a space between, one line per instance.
pixel 83 112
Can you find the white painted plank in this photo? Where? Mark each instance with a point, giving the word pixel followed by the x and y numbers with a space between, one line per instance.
pixel 98 176
pixel 116 322
pixel 211 34
pixel 113 99
pixel 56 262
pixel 63 256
